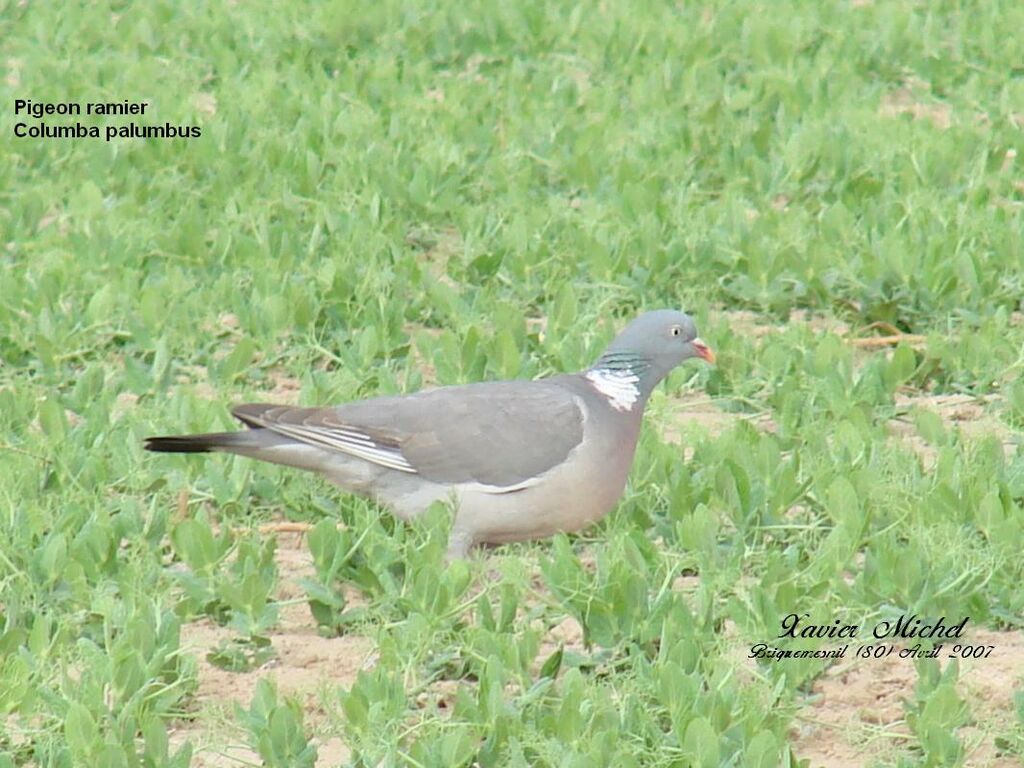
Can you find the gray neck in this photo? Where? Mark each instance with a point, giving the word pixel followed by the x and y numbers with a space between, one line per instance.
pixel 615 361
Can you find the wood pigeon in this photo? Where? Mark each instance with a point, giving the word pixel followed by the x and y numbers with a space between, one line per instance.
pixel 518 459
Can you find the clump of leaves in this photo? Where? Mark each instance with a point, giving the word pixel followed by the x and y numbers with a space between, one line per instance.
pixel 401 576
pixel 117 702
pixel 335 561
pixel 276 729
pixel 235 591
pixel 614 604
pixel 936 711
pixel 238 594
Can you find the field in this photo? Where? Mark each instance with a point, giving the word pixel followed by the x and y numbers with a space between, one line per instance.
pixel 387 196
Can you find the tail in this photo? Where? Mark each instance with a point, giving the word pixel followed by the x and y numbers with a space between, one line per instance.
pixel 214 441
pixel 255 443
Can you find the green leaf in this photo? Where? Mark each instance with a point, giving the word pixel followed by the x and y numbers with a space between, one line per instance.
pixel 81 731
pixel 552 664
pixel 52 419
pixel 701 743
pixel 929 426
pixel 762 751
pixel 238 361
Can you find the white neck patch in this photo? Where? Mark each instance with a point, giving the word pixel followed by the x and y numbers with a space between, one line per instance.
pixel 619 387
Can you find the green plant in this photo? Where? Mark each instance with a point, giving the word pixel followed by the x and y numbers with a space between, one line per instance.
pixel 276 730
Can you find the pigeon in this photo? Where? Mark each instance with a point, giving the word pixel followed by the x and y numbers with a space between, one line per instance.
pixel 517 459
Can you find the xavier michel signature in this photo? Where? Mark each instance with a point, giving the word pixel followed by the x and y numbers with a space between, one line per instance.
pixel 892 635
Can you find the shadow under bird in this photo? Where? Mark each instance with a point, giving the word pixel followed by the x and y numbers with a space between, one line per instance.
pixel 518 459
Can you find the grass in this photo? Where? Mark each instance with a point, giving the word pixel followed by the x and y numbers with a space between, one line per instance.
pixel 391 196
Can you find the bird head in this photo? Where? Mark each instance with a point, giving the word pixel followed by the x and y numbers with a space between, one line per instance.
pixel 652 345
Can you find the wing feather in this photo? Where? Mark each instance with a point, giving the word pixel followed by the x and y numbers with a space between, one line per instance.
pixel 497 435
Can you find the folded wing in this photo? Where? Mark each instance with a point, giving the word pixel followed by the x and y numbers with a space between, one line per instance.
pixel 499 434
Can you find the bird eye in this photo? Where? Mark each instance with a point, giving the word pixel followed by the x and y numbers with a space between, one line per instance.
pixel 676 330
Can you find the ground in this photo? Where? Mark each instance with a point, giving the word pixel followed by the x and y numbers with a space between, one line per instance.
pixel 854 712
pixel 395 195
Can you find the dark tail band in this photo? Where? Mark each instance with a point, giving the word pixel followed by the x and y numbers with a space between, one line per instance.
pixel 189 443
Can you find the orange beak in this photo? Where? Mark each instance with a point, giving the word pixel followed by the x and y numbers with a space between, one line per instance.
pixel 703 350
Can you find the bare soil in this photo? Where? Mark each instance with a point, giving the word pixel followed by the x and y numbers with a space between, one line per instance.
pixel 855 714
pixel 307 667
